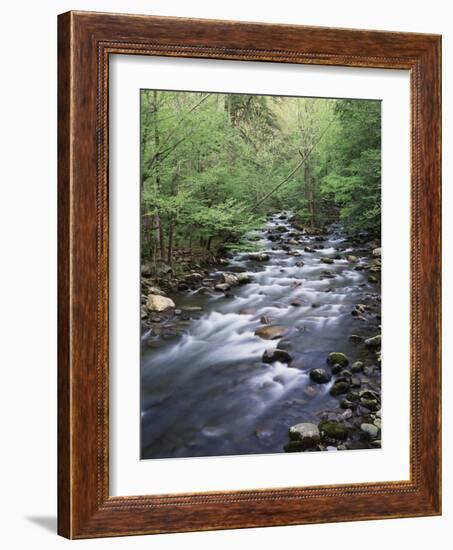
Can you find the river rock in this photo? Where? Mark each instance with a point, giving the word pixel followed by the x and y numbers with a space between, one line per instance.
pixel 358 310
pixel 194 277
pixel 287 345
pixel 222 287
pixel 340 387
pixel 352 258
pixel 337 358
pixel 299 263
pixel 163 270
pixel 146 269
pixel 272 355
pixel 260 257
pixel 272 332
pixel 332 429
pixel 369 400
pixel 353 396
pixel 346 415
pixel 370 404
pixel 297 447
pixel 156 290
pixel 243 278
pixel 230 279
pixel 320 376
pixel 154 302
pixel 346 404
pixel 336 369
pixel 247 311
pixel 326 260
pixel 370 431
pixel 306 434
pixel 357 366
pixel 377 252
pixel 310 250
pixel 373 343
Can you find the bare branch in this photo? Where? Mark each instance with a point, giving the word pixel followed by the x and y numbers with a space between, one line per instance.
pixel 297 167
pixel 175 128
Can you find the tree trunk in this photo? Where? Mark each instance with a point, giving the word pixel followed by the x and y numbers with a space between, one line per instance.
pixel 160 245
pixel 170 244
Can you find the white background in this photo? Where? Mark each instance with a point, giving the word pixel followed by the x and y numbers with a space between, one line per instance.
pixel 128 475
pixel 28 270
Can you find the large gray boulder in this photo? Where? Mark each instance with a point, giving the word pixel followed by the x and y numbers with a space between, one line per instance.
pixel 320 376
pixel 306 434
pixel 230 279
pixel 154 302
pixel 373 343
pixel 369 431
pixel 146 269
pixel 243 278
pixel 337 358
pixel 332 429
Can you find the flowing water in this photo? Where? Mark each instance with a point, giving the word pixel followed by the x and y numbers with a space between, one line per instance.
pixel 207 392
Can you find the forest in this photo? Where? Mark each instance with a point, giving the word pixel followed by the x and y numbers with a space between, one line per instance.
pixel 261 269
pixel 214 165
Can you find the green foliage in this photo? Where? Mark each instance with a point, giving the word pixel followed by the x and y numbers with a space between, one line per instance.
pixel 208 159
pixel 354 179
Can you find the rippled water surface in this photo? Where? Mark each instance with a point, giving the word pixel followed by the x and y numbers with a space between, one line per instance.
pixel 208 392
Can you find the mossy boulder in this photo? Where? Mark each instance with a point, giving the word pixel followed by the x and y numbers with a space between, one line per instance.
pixel 337 358
pixel 320 376
pixel 331 429
pixel 304 435
pixel 339 388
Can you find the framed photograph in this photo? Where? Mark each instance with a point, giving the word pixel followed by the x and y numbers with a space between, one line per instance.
pixel 249 275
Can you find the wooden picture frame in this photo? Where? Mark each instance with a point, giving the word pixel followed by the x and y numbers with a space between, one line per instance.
pixel 85 41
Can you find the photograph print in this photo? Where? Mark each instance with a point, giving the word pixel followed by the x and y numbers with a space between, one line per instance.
pixel 260 299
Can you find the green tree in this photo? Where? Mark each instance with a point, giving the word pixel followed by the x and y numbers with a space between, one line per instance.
pixel 212 165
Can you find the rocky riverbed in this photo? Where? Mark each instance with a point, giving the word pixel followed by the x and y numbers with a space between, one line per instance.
pixel 271 351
